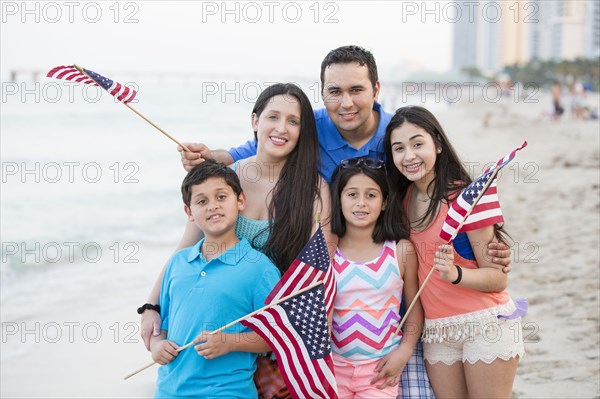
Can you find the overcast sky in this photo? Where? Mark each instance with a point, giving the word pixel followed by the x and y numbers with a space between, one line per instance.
pixel 268 38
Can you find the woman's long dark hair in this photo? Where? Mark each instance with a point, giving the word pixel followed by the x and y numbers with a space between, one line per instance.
pixel 450 175
pixel 295 193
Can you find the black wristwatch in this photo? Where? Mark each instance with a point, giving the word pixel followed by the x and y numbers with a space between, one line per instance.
pixel 145 306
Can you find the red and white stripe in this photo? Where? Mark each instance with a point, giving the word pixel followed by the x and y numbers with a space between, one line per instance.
pixel 486 212
pixel 121 92
pixel 72 74
pixel 301 275
pixel 500 164
pixel 305 378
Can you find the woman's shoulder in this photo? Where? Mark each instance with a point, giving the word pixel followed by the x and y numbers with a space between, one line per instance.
pixel 242 163
pixel 406 256
pixel 323 187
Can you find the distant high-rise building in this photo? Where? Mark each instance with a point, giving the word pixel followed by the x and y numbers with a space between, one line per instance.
pixel 566 30
pixel 573 29
pixel 527 29
pixel 546 30
pixel 592 29
pixel 477 37
pixel 464 43
pixel 489 31
pixel 515 33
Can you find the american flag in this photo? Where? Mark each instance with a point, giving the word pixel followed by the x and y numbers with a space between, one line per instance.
pixel 486 211
pixel 297 331
pixel 119 91
pixel 311 265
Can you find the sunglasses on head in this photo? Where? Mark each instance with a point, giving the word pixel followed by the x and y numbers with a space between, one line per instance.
pixel 368 162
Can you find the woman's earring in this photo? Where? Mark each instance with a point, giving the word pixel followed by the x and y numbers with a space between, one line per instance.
pixel 439 150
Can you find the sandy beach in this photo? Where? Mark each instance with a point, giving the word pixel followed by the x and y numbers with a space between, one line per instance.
pixel 551 202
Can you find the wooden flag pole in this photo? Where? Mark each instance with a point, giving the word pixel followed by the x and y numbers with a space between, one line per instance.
pixel 157 127
pixel 418 294
pixel 140 115
pixel 293 294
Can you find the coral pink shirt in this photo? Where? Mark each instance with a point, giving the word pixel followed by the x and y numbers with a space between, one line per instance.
pixel 441 298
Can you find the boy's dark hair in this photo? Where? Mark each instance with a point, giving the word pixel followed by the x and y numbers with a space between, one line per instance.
pixel 207 169
pixel 390 225
pixel 347 55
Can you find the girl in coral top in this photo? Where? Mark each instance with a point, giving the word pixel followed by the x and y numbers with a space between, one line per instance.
pixel 470 347
pixel 373 264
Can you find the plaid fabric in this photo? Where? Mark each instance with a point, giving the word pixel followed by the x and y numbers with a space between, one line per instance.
pixel 268 379
pixel 414 382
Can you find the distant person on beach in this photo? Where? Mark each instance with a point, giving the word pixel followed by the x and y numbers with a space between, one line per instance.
pixel 284 193
pixel 470 351
pixel 206 286
pixel 578 108
pixel 352 124
pixel 556 92
pixel 375 267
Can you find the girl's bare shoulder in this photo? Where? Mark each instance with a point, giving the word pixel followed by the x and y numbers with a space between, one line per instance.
pixel 404 246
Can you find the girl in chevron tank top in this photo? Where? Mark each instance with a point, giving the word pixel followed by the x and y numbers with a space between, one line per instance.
pixel 373 264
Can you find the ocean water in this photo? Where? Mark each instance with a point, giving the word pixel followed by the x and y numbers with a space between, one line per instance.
pixel 90 201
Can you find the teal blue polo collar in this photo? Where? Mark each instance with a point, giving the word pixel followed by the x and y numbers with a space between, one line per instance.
pixel 230 257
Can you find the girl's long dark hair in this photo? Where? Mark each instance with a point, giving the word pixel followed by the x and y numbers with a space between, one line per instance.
pixel 295 193
pixel 450 175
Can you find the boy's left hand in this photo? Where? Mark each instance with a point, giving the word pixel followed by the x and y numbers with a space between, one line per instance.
pixel 390 368
pixel 213 345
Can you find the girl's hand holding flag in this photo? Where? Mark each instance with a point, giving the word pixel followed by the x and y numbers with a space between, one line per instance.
pixel 444 263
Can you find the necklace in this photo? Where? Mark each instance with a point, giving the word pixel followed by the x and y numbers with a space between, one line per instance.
pixel 424 200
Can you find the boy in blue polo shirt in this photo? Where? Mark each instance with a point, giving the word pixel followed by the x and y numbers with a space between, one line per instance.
pixel 206 286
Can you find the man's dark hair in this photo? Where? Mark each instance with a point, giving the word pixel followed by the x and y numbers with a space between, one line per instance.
pixel 347 55
pixel 207 169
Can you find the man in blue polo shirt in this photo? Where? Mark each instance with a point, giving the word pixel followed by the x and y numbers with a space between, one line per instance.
pixel 207 286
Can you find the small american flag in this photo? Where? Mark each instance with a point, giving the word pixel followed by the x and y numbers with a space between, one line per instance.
pixel 486 211
pixel 119 91
pixel 297 331
pixel 311 265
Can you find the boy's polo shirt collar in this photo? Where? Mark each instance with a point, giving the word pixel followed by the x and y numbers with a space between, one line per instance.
pixel 230 257
pixel 336 141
